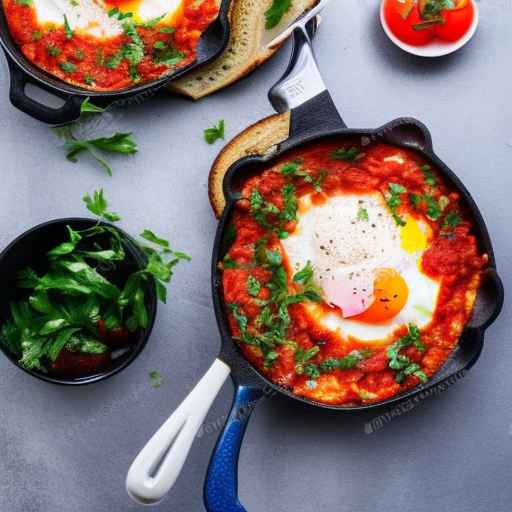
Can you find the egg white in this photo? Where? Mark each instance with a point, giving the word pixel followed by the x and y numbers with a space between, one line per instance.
pixel 360 247
pixel 91 16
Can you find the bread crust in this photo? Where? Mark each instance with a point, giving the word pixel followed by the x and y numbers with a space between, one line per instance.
pixel 259 139
pixel 247 48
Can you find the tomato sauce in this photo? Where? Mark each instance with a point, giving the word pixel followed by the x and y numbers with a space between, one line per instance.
pixel 99 64
pixel 452 258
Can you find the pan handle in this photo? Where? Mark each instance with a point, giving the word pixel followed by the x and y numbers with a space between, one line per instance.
pixel 221 485
pixel 158 465
pixel 69 112
pixel 303 92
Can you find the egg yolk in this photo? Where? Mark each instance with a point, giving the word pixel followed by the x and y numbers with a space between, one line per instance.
pixel 390 296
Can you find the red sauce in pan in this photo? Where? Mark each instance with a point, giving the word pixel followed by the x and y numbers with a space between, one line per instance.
pixel 452 258
pixel 90 62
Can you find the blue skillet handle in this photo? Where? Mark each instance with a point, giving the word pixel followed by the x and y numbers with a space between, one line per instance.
pixel 221 485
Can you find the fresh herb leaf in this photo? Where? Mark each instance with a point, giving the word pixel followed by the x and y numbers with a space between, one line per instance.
pixel 67 29
pixel 452 220
pixel 433 208
pixel 428 175
pixel 289 212
pixel 362 215
pixel 148 235
pixel 88 107
pixel 118 143
pixel 346 154
pixel 216 132
pixel 275 13
pixel 98 205
pixel 68 67
pixel 394 201
pixel 253 286
pixel 156 378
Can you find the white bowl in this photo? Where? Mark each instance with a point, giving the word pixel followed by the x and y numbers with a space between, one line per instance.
pixel 436 48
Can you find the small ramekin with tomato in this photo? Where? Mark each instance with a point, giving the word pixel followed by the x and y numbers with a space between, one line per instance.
pixel 429 28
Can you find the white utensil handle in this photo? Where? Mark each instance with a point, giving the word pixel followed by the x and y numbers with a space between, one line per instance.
pixel 158 465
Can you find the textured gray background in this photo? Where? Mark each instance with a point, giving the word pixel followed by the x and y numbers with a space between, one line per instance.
pixel 69 449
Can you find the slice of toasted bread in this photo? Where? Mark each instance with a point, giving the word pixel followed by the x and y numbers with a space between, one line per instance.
pixel 259 139
pixel 247 48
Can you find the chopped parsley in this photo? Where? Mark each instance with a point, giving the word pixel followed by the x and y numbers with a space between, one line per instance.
pixel 118 143
pixel 68 67
pixel 452 220
pixel 275 13
pixel 394 201
pixel 346 154
pixel 428 175
pixel 67 28
pixel 53 50
pixel 433 208
pixel 216 132
pixel 253 286
pixel 88 107
pixel 156 378
pixel 295 170
pixel 401 364
pixel 362 215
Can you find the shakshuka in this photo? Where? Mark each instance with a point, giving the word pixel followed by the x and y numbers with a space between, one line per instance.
pixel 108 45
pixel 351 271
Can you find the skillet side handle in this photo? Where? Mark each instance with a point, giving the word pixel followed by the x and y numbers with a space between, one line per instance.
pixel 158 465
pixel 489 301
pixel 303 92
pixel 221 485
pixel 68 113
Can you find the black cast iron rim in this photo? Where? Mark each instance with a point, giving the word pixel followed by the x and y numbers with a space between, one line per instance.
pixel 243 370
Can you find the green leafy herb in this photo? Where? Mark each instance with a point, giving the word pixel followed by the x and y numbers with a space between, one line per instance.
pixel 67 29
pixel 167 30
pixel 88 107
pixel 65 303
pixel 452 220
pixel 401 364
pixel 428 175
pixel 346 154
pixel 167 55
pixel 394 201
pixel 37 35
pixel 53 50
pixel 98 205
pixel 362 215
pixel 433 208
pixel 118 143
pixel 275 13
pixel 156 378
pixel 68 67
pixel 216 132
pixel 289 212
pixel 253 286
pixel 294 170
pixel 24 3
pixel 153 22
pixel 229 262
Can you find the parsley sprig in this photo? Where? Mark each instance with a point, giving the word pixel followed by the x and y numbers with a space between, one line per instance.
pixel 216 132
pixel 275 13
pixel 80 287
pixel 295 170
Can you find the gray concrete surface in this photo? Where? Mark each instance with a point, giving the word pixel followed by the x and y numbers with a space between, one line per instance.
pixel 68 449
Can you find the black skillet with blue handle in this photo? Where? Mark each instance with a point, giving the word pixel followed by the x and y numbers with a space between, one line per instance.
pixel 314 117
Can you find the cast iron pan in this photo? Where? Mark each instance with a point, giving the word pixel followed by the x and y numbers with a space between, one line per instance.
pixel 313 117
pixel 212 43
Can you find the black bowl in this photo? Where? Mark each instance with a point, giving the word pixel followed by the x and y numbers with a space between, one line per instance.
pixel 30 249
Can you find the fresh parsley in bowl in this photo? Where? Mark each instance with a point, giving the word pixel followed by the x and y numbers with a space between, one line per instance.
pixel 79 296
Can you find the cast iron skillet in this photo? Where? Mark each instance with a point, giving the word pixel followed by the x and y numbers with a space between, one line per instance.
pixel 313 118
pixel 212 43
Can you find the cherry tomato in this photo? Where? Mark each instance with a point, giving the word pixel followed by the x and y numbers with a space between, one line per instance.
pixel 403 27
pixel 457 23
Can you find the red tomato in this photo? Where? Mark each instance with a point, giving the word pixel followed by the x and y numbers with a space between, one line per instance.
pixel 403 28
pixel 457 23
